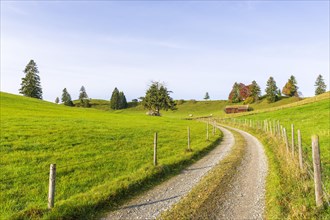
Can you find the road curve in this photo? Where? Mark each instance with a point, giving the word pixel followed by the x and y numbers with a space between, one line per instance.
pixel 160 198
pixel 245 197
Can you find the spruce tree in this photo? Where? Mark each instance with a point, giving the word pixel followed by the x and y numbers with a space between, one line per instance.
pixel 235 95
pixel 271 90
pixel 291 89
pixel 66 98
pixel 83 94
pixel 207 96
pixel 255 91
pixel 30 85
pixel 320 85
pixel 57 100
pixel 83 97
pixel 122 101
pixel 114 101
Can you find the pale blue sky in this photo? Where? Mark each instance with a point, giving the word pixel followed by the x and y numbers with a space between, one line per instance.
pixel 192 46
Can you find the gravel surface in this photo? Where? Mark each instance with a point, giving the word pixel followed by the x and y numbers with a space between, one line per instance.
pixel 151 203
pixel 245 198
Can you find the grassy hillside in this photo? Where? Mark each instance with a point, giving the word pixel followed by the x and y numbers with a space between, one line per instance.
pixel 292 196
pixel 312 118
pixel 99 155
pixel 215 108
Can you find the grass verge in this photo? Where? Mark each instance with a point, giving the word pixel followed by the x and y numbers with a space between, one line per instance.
pixel 199 203
pixel 289 191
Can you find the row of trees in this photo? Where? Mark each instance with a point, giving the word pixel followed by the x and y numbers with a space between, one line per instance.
pixel 252 92
pixel 158 97
pixel 31 87
pixel 66 98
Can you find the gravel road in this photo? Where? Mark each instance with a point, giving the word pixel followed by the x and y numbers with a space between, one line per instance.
pixel 245 197
pixel 162 197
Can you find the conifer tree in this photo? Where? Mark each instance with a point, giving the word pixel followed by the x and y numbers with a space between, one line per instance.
pixel 255 90
pixel 157 98
pixel 114 101
pixel 320 85
pixel 291 89
pixel 57 100
pixel 271 90
pixel 66 98
pixel 30 85
pixel 235 95
pixel 83 97
pixel 207 96
pixel 122 101
pixel 83 93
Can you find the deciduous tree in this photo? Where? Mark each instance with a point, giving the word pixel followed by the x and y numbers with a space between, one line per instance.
pixel 30 85
pixel 291 89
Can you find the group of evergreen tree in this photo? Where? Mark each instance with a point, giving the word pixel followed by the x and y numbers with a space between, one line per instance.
pixel 66 98
pixel 118 100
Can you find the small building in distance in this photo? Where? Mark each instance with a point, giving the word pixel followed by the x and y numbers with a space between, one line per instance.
pixel 236 109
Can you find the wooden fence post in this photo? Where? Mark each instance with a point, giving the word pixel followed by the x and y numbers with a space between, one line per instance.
pixel 213 131
pixel 317 170
pixel 300 151
pixel 207 131
pixel 155 149
pixel 189 138
pixel 51 189
pixel 270 128
pixel 286 140
pixel 292 139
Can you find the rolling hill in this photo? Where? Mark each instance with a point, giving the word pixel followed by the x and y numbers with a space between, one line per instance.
pixel 99 155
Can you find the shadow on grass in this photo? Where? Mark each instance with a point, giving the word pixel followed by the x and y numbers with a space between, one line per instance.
pixel 97 209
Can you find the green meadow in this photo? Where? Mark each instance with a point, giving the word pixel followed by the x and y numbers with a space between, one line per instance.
pixel 104 157
pixel 101 156
pixel 310 118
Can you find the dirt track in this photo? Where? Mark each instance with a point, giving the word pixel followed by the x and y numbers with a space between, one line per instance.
pixel 243 200
pixel 245 197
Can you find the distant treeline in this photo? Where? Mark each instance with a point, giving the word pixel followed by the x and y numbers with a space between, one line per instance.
pixel 252 93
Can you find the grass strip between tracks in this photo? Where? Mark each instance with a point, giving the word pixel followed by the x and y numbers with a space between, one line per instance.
pixel 198 204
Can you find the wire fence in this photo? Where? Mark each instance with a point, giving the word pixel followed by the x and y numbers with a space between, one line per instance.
pixel 58 170
pixel 276 130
